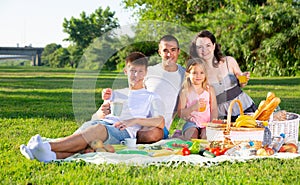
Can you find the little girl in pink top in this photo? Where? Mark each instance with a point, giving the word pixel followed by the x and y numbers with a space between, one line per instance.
pixel 197 101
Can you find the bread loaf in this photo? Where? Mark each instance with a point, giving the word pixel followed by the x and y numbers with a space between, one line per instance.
pixel 270 97
pixel 260 108
pixel 269 109
pixel 266 107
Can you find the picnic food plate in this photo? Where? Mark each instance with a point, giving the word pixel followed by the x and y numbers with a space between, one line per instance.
pixel 119 147
pixel 132 151
pixel 179 144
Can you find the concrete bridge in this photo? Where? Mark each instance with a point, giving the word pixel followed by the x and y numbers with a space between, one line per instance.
pixel 27 52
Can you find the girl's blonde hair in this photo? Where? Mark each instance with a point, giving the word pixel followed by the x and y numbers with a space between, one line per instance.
pixel 187 84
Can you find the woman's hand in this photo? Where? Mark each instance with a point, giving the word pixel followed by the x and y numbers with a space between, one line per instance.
pixel 247 74
pixel 244 78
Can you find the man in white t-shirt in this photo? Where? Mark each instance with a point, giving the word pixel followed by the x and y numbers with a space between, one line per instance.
pixel 165 79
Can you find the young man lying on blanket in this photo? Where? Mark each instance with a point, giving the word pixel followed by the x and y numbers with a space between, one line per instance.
pixel 140 108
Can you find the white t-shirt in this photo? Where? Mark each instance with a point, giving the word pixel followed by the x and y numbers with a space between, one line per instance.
pixel 167 85
pixel 136 104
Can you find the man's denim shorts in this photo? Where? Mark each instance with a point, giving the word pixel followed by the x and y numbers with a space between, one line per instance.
pixel 115 135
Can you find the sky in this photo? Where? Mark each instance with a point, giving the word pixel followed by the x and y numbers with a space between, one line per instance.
pixel 39 22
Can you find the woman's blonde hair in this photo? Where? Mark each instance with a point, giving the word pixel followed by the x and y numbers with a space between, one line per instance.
pixel 187 84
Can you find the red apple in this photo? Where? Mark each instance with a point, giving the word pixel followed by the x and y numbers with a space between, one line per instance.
pixel 291 147
pixel 269 151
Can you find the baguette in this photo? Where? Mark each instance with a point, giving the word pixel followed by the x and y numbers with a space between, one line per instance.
pixel 270 97
pixel 269 109
pixel 260 108
pixel 263 111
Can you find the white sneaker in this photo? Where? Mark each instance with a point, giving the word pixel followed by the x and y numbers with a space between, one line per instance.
pixel 26 152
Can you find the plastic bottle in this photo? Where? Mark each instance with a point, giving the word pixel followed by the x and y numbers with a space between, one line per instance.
pixel 243 149
pixel 233 151
pixel 277 142
pixel 247 149
pixel 267 137
pixel 267 132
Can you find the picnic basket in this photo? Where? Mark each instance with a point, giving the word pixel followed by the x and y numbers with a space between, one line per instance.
pixel 289 127
pixel 229 136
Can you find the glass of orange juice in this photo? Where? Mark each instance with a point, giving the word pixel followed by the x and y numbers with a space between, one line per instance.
pixel 242 79
pixel 202 105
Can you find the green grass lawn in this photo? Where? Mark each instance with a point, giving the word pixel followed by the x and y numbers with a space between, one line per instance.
pixel 39 100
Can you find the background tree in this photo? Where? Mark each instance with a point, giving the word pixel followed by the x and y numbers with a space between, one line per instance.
pixel 75 55
pixel 263 39
pixel 48 50
pixel 279 50
pixel 262 35
pixel 82 31
pixel 172 11
pixel 60 58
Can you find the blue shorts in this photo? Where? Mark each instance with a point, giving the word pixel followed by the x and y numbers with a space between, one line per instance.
pixel 202 131
pixel 115 135
pixel 188 125
pixel 166 133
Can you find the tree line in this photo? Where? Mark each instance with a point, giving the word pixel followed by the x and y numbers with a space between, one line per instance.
pixel 263 35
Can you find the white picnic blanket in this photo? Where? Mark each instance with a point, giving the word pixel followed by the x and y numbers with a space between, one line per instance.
pixel 170 160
